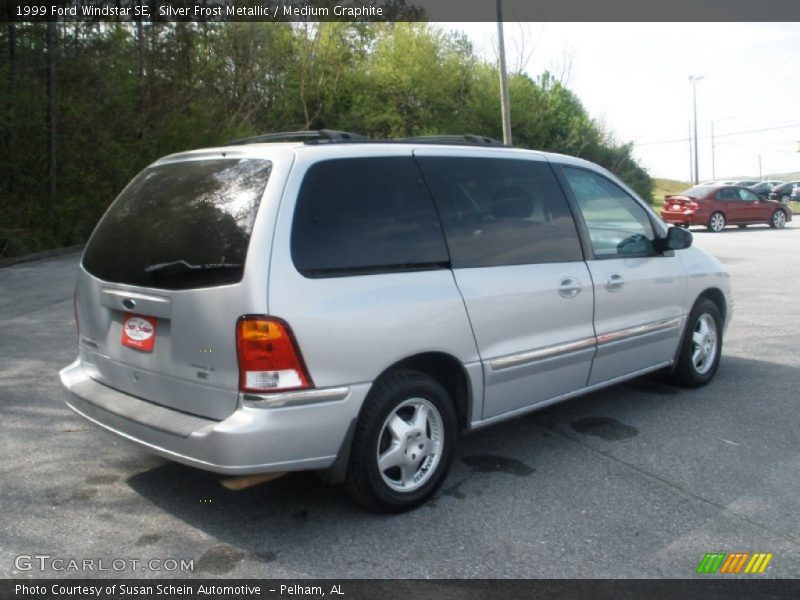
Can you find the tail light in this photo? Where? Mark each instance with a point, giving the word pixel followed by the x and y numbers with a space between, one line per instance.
pixel 269 359
pixel 693 206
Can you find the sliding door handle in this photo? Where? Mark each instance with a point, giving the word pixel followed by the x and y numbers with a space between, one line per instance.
pixel 569 287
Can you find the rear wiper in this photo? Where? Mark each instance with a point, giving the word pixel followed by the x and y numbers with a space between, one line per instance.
pixel 181 266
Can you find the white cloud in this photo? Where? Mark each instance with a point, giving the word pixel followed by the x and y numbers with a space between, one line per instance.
pixel 634 77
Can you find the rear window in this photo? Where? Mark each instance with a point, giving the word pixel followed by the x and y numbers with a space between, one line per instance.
pixel 180 225
pixel 698 191
pixel 365 215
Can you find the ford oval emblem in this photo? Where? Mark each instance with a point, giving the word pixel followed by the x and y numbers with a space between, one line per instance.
pixel 129 303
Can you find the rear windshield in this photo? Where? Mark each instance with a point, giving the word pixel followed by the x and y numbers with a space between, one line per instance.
pixel 180 225
pixel 698 191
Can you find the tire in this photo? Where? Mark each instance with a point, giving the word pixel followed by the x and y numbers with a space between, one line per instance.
pixel 701 346
pixel 387 428
pixel 778 219
pixel 716 222
pixel 785 198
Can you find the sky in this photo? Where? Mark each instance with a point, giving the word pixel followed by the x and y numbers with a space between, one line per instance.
pixel 634 79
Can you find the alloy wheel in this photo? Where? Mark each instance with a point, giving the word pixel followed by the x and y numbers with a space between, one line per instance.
pixel 704 344
pixel 410 445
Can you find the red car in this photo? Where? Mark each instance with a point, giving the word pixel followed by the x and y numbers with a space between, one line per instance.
pixel 718 206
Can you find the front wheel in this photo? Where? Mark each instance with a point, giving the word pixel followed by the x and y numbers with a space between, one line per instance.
pixel 701 346
pixel 403 444
pixel 778 219
pixel 716 222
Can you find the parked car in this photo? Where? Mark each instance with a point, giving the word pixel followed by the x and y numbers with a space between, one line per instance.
pixel 783 191
pixel 795 195
pixel 348 306
pixel 747 182
pixel 764 188
pixel 718 206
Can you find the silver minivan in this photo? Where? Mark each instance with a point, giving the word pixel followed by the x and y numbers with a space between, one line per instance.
pixel 348 306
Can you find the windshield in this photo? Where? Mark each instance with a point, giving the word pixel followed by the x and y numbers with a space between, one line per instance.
pixel 194 216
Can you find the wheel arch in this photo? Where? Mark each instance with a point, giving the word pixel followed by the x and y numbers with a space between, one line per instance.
pixel 441 366
pixel 448 371
pixel 717 296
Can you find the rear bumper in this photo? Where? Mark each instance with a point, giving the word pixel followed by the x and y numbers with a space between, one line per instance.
pixel 677 218
pixel 290 437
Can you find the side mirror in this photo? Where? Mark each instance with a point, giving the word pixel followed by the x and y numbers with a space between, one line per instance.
pixel 677 238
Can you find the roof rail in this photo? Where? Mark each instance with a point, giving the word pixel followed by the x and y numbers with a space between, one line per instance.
pixel 466 139
pixel 323 136
pixel 299 136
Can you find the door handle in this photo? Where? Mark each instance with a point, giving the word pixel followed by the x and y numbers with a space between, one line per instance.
pixel 614 283
pixel 569 287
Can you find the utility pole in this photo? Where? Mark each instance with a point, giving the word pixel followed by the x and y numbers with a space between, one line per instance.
pixel 694 79
pixel 504 100
pixel 713 160
pixel 691 155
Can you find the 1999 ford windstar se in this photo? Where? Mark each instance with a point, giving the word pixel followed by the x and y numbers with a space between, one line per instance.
pixel 325 302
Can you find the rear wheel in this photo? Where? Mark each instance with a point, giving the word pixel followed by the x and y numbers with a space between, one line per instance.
pixel 701 346
pixel 716 222
pixel 403 444
pixel 778 219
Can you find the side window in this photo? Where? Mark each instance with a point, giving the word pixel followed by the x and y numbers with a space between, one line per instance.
pixel 365 215
pixel 747 195
pixel 501 212
pixel 727 195
pixel 618 226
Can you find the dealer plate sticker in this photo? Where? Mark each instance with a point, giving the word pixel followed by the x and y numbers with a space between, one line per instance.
pixel 139 332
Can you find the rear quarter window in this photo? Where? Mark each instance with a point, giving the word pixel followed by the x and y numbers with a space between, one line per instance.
pixel 180 225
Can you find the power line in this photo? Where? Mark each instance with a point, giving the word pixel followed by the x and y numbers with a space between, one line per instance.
pixel 718 135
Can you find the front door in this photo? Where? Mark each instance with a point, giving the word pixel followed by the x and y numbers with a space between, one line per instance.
pixel 751 208
pixel 639 293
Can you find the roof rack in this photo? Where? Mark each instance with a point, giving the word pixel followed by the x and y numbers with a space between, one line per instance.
pixel 298 136
pixel 465 139
pixel 330 136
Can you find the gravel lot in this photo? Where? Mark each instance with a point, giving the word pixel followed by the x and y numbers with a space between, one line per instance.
pixel 640 480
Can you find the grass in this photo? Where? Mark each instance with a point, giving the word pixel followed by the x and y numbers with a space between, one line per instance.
pixel 666 187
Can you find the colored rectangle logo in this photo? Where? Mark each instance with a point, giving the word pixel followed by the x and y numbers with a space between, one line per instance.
pixel 734 563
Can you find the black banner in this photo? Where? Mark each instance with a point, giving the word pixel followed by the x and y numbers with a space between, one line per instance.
pixel 368 589
pixel 403 10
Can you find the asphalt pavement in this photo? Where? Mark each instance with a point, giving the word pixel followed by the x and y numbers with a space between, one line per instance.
pixel 639 480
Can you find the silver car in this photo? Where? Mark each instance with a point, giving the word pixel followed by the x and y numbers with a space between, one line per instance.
pixel 349 306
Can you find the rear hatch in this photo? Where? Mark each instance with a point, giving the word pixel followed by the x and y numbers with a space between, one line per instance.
pixel 161 285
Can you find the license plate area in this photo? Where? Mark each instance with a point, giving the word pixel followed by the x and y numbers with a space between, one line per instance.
pixel 139 332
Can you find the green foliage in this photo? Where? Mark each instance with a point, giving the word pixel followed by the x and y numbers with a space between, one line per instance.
pixel 125 97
